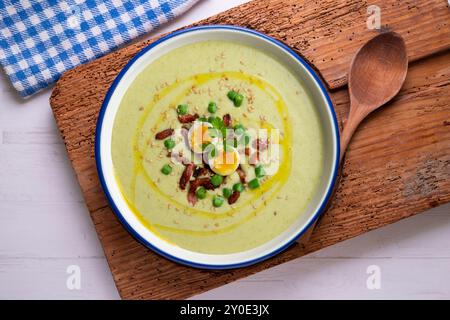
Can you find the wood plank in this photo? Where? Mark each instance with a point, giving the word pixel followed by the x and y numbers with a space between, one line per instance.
pixel 327 33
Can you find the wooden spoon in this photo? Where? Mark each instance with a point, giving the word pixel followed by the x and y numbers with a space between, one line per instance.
pixel 376 75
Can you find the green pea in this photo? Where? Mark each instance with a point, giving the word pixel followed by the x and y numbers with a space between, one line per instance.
pixel 217 201
pixel 212 107
pixel 259 172
pixel 232 95
pixel 166 169
pixel 238 100
pixel 201 193
pixel 239 187
pixel 213 152
pixel 246 139
pixel 182 109
pixel 239 127
pixel 227 192
pixel 169 144
pixel 216 180
pixel 253 184
pixel 243 137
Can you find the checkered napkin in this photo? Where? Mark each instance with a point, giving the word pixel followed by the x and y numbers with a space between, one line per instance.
pixel 40 39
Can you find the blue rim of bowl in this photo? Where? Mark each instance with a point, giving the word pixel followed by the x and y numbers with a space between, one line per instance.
pixel 117 212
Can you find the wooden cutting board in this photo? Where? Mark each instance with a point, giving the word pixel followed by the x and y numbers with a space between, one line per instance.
pixel 398 163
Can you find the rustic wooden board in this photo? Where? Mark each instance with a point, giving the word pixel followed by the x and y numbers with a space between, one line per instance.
pixel 397 165
pixel 326 32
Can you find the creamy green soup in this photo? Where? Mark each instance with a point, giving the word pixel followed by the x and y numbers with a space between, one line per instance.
pixel 273 99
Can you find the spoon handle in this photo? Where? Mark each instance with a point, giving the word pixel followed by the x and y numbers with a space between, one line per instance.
pixel 356 115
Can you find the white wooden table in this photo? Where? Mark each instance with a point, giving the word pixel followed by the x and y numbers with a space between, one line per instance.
pixel 45 227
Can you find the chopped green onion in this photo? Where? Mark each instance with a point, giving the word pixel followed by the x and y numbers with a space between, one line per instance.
pixel 253 184
pixel 216 180
pixel 201 193
pixel 212 107
pixel 239 187
pixel 227 192
pixel 259 172
pixel 166 169
pixel 182 109
pixel 203 119
pixel 169 144
pixel 217 201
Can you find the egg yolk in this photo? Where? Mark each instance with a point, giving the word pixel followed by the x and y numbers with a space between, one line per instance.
pixel 200 136
pixel 226 163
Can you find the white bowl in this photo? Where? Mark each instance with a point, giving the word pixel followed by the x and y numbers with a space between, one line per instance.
pixel 298 67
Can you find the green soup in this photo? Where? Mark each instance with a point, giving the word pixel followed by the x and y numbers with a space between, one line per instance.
pixel 273 99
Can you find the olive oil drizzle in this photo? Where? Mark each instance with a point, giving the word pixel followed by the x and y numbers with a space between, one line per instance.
pixel 274 184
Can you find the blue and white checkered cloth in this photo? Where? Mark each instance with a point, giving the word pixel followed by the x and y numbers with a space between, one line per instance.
pixel 41 39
